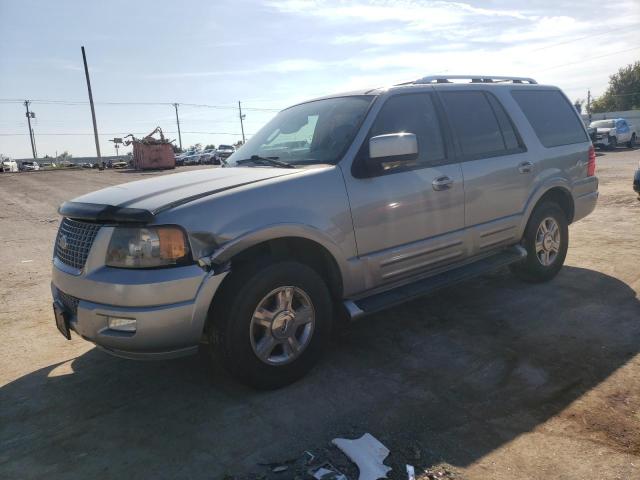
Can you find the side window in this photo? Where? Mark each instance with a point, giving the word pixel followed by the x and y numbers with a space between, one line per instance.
pixel 474 124
pixel 552 117
pixel 412 113
pixel 511 139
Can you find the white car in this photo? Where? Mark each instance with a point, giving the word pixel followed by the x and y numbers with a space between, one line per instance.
pixel 9 166
pixel 614 132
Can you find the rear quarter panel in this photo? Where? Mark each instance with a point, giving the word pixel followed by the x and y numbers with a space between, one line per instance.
pixel 563 166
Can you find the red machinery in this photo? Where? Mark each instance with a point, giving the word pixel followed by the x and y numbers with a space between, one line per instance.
pixel 150 153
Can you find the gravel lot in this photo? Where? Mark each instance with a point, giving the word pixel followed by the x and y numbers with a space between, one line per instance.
pixel 491 379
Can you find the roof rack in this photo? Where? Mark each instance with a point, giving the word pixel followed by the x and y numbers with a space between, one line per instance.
pixel 474 79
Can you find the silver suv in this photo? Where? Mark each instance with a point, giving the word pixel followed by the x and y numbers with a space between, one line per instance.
pixel 338 207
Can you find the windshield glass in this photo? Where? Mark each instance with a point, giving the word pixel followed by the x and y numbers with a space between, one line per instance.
pixel 313 132
pixel 603 124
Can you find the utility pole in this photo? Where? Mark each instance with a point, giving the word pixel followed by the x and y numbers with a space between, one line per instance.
pixel 175 105
pixel 31 115
pixel 589 104
pixel 93 110
pixel 242 117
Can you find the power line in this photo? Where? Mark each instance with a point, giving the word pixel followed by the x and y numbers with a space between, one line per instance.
pixel 197 105
pixel 121 133
pixel 590 58
pixel 583 38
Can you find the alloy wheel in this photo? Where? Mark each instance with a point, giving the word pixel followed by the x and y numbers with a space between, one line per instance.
pixel 282 325
pixel 548 241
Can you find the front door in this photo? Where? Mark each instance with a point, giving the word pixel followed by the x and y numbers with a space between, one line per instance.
pixel 408 216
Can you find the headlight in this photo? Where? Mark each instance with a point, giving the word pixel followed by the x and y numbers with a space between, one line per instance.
pixel 148 247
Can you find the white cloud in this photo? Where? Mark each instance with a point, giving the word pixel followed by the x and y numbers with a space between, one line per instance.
pixel 437 12
pixel 378 38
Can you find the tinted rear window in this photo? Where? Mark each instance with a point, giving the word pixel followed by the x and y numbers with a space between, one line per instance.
pixel 474 124
pixel 552 117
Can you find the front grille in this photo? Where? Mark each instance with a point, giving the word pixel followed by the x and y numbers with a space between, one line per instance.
pixel 74 241
pixel 69 302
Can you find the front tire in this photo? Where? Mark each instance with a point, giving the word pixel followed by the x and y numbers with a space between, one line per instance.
pixel 613 143
pixel 632 143
pixel 271 323
pixel 546 240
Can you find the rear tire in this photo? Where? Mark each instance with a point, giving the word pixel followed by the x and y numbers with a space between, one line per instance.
pixel 271 323
pixel 546 240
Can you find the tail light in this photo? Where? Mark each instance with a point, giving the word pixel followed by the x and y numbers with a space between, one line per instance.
pixel 591 166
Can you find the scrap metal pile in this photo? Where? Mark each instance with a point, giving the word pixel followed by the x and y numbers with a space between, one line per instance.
pixel 150 153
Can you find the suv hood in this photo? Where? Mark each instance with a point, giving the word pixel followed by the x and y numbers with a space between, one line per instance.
pixel 605 129
pixel 140 201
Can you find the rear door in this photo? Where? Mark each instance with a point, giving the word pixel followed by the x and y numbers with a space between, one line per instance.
pixel 498 173
pixel 408 216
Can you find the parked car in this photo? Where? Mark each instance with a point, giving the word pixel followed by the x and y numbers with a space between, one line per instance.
pixel 180 159
pixel 614 132
pixel 193 159
pixel 120 165
pixel 30 166
pixel 208 157
pixel 385 195
pixel 9 165
pixel 636 181
pixel 223 152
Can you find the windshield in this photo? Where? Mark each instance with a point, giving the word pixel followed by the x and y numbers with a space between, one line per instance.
pixel 225 147
pixel 313 132
pixel 603 124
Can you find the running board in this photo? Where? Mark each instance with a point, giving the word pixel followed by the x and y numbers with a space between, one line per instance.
pixel 404 293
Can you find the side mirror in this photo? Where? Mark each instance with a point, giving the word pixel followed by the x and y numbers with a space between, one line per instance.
pixel 393 146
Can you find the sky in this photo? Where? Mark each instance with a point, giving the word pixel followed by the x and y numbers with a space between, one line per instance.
pixel 144 56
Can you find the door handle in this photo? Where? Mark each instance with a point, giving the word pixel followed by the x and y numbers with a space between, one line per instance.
pixel 525 167
pixel 442 183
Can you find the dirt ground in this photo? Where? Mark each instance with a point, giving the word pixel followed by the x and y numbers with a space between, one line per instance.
pixel 490 379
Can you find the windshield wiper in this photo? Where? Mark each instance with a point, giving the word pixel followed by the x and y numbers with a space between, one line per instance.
pixel 268 160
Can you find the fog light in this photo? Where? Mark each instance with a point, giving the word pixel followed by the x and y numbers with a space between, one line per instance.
pixel 122 324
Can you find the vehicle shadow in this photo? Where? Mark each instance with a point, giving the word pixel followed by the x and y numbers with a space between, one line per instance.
pixel 458 374
pixel 620 149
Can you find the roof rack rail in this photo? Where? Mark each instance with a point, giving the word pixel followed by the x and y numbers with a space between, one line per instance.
pixel 474 79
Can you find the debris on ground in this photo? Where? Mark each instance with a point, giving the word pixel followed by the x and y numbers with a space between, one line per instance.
pixel 439 472
pixel 367 453
pixel 327 471
pixel 411 472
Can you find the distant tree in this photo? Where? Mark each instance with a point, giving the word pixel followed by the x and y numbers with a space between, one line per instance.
pixel 176 148
pixel 210 146
pixel 196 148
pixel 65 156
pixel 238 144
pixel 623 92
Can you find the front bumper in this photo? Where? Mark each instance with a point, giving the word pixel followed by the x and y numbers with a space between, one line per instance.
pixel 601 141
pixel 170 307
